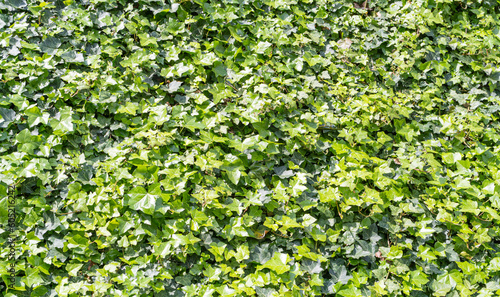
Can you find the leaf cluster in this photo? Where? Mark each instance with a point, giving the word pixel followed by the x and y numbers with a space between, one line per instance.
pixel 242 148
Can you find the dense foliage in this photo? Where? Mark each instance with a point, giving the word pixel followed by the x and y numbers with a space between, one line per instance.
pixel 239 148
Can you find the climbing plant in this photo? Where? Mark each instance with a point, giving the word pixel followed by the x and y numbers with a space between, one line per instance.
pixel 249 148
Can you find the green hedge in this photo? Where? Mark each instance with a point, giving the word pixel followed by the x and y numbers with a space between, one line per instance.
pixel 250 148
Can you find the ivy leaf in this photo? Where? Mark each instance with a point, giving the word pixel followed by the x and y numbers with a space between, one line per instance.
pixel 18 3
pixel 418 278
pixel 470 206
pixel 73 269
pixel 312 267
pixel 243 145
pixel 261 254
pixel 63 124
pixel 350 292
pixel 50 45
pixel 277 263
pixel 7 116
pixel 4 214
pixel 24 136
pixel 338 271
pixel 140 199
pixel 192 123
pixel 362 249
pixel 220 69
pixel 234 175
pixel 174 86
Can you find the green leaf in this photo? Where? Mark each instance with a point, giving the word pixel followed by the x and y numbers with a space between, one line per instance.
pixel 7 116
pixel 418 278
pixel 24 136
pixel 33 277
pixel 220 69
pixel 50 44
pixel 192 123
pixel 63 124
pixel 243 145
pixel 73 269
pixel 147 40
pixel 350 292
pixel 234 175
pixel 451 158
pixel 318 234
pixel 128 108
pixel 470 206
pixel 140 199
pixel 277 263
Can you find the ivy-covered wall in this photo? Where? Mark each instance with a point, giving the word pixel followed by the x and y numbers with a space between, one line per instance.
pixel 249 148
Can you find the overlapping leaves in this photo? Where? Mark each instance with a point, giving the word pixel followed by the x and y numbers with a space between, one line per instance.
pixel 233 148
